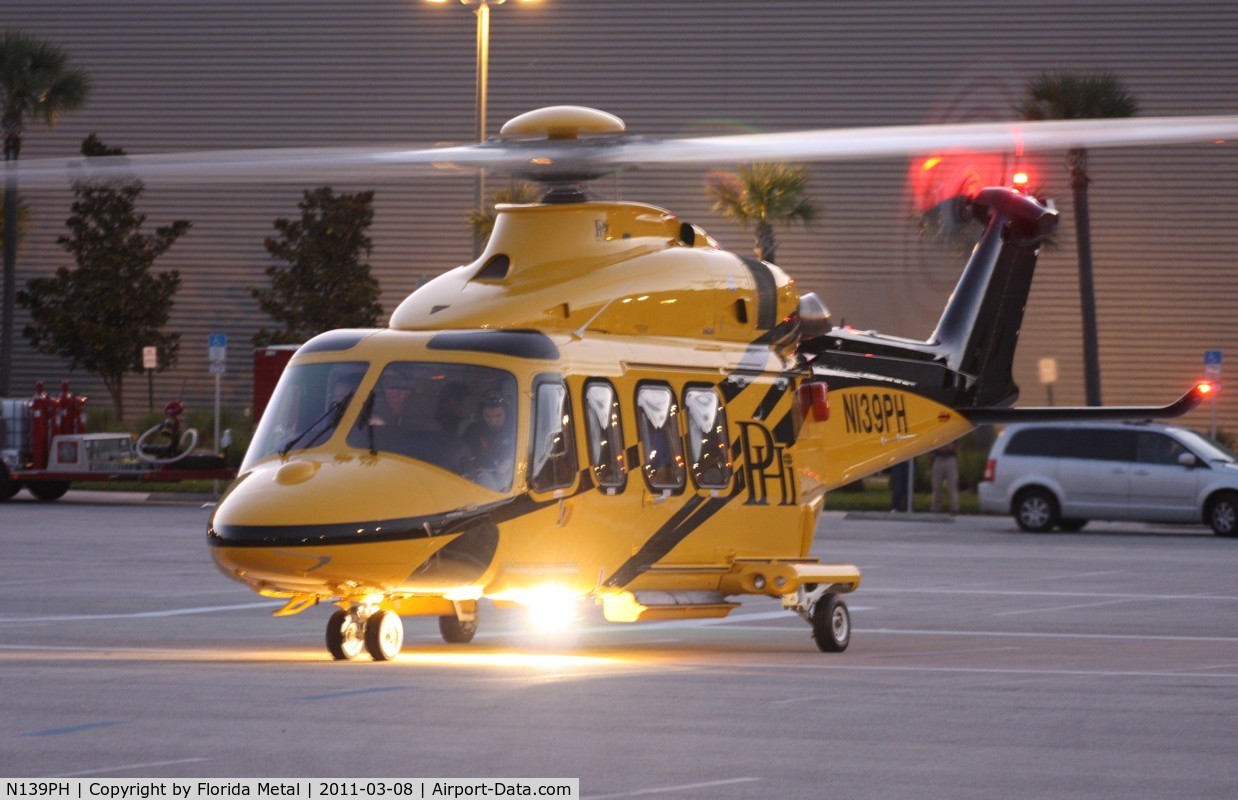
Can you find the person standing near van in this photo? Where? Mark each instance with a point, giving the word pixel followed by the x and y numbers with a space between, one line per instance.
pixel 899 475
pixel 946 471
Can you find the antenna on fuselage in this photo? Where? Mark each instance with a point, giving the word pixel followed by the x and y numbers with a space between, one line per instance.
pixel 579 333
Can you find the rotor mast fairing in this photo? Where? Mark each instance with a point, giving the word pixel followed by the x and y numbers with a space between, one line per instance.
pixel 613 268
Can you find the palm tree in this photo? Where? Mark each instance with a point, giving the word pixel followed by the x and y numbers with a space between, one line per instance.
pixel 763 195
pixel 518 192
pixel 1066 95
pixel 37 84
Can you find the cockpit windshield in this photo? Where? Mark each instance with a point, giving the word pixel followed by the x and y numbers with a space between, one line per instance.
pixel 459 417
pixel 306 408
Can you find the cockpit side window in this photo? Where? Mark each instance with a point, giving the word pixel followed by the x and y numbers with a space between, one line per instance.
pixel 604 432
pixel 709 457
pixel 458 417
pixel 553 463
pixel 657 414
pixel 306 408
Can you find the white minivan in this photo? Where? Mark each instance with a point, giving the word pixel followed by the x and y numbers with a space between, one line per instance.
pixel 1063 474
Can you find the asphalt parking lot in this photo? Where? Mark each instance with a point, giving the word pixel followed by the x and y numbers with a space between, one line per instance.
pixel 985 662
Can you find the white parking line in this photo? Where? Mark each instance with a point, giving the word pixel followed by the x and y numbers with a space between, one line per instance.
pixel 1097 604
pixel 1136 637
pixel 128 767
pixel 169 612
pixel 1031 593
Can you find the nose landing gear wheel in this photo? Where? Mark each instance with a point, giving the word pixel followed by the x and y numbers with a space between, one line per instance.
pixel 831 624
pixel 384 635
pixel 345 635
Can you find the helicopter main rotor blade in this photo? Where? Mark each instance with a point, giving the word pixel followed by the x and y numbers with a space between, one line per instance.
pixel 864 143
pixel 247 166
pixel 586 158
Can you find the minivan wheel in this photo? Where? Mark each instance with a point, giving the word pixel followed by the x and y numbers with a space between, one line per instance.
pixel 1223 515
pixel 1036 511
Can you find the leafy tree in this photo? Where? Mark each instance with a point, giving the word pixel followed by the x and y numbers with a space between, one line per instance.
pixel 100 315
pixel 36 83
pixel 328 283
pixel 481 220
pixel 763 195
pixel 1066 95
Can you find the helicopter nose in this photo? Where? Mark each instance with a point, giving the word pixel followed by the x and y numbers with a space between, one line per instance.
pixel 326 525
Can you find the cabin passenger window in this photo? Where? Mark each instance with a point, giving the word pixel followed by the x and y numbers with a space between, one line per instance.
pixel 661 445
pixel 709 448
pixel 553 465
pixel 604 432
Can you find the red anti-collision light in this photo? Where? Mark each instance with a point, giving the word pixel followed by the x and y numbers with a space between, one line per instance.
pixel 1204 387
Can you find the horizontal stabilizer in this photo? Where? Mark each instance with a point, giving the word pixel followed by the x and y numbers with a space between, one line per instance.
pixel 1003 416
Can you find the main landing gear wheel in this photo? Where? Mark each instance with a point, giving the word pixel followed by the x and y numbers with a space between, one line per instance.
pixel 831 624
pixel 456 630
pixel 345 635
pixel 384 635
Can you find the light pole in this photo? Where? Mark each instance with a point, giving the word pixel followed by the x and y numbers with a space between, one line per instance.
pixel 481 8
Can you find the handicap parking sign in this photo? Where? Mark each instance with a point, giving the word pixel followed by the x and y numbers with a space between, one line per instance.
pixel 1212 363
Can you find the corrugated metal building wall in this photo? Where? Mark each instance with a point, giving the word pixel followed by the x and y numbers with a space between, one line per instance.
pixel 173 75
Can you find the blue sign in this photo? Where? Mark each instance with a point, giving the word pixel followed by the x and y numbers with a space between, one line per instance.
pixel 218 352
pixel 1212 363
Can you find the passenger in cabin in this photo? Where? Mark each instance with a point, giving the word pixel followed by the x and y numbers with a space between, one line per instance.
pixel 452 414
pixel 342 388
pixel 393 406
pixel 492 438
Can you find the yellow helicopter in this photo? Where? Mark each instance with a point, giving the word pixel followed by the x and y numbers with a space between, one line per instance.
pixel 607 407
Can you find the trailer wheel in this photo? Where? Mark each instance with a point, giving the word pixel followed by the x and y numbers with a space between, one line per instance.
pixel 8 486
pixel 48 491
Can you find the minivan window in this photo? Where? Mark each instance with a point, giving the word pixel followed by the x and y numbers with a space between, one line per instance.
pixel 1055 442
pixel 1157 448
pixel 1102 444
pixel 1208 449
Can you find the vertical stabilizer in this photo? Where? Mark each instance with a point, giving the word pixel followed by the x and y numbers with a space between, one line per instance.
pixel 967 362
pixel 980 326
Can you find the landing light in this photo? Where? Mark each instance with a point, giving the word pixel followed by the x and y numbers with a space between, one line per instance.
pixel 551 609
